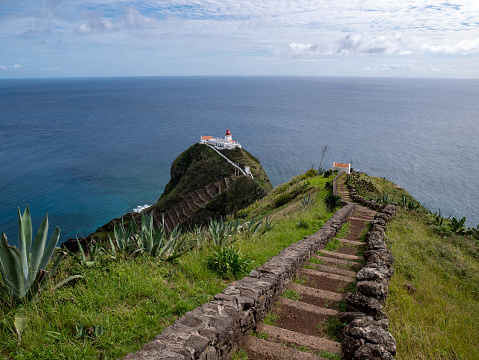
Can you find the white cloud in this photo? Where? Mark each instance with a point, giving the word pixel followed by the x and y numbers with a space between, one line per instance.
pixel 2 67
pixel 17 66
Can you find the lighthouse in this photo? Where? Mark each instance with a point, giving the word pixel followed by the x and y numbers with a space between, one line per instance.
pixel 221 144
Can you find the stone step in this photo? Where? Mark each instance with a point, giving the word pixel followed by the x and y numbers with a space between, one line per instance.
pixel 196 200
pixel 365 219
pixel 188 202
pixel 203 196
pixel 342 256
pixel 309 341
pixel 351 242
pixel 322 294
pixel 334 261
pixel 311 272
pixel 333 270
pixel 211 190
pixel 275 351
pixel 307 307
pixel 185 209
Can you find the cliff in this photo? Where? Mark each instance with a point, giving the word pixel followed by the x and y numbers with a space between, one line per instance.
pixel 203 185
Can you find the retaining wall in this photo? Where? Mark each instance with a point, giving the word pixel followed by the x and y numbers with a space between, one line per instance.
pixel 215 329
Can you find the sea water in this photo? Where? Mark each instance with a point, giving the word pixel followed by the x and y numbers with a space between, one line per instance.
pixel 91 149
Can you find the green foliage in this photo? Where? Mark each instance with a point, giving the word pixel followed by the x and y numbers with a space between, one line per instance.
pixel 92 332
pixel 334 326
pixel 332 201
pixel 291 294
pixel 303 224
pixel 270 319
pixel 154 242
pixel 222 232
pixel 311 172
pixel 333 245
pixel 329 355
pixel 227 261
pixel 457 226
pixel 24 270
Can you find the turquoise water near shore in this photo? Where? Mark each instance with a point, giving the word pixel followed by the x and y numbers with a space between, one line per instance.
pixel 89 150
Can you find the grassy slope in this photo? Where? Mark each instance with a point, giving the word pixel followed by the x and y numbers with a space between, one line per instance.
pixel 135 299
pixel 433 302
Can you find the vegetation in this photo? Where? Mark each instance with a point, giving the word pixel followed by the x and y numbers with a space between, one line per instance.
pixel 434 294
pixel 126 297
pixel 23 270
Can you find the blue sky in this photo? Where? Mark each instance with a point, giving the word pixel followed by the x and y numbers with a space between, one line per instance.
pixel 418 38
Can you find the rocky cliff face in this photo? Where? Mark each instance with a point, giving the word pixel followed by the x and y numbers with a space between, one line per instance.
pixel 202 185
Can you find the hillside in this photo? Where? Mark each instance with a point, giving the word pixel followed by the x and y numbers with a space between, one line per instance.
pixel 434 294
pixel 203 185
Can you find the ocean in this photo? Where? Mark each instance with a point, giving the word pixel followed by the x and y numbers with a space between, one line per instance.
pixel 91 149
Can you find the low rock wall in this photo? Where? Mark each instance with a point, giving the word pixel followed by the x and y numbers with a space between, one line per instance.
pixel 367 336
pixel 215 329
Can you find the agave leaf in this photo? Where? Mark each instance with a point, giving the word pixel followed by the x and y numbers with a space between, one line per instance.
pixel 10 264
pixel 20 323
pixel 113 248
pixel 38 248
pixel 68 279
pixel 22 239
pixel 52 244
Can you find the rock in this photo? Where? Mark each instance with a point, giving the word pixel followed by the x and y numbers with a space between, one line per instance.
pixel 372 352
pixel 370 306
pixel 376 289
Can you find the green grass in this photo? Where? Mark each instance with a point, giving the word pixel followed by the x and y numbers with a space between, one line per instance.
pixel 333 245
pixel 439 321
pixel 270 319
pixel 291 295
pixel 239 354
pixel 134 299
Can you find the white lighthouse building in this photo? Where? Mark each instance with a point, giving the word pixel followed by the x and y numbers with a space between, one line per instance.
pixel 221 144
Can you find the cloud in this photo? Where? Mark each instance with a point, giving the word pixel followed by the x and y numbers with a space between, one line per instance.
pixel 396 44
pixel 407 68
pixel 2 67
pixel 17 66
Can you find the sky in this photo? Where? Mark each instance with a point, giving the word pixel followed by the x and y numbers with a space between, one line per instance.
pixel 89 38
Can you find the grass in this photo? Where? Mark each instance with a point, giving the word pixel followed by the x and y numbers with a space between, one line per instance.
pixel 270 319
pixel 439 321
pixel 291 295
pixel 134 298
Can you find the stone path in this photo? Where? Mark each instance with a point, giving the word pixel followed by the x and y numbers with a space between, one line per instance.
pixel 301 324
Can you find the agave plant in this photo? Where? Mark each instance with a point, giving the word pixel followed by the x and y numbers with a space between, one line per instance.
pixel 332 201
pixel 457 226
pixel 24 269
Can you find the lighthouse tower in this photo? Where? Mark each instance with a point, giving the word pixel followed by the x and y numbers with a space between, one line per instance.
pixel 228 135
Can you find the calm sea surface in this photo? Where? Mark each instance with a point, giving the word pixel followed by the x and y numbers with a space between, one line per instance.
pixel 89 150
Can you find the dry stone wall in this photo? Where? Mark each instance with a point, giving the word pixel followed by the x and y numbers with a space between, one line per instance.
pixel 215 329
pixel 367 336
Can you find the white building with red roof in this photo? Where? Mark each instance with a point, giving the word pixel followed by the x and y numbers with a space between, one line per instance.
pixel 221 144
pixel 346 167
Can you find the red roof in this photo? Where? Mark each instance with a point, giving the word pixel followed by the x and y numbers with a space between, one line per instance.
pixel 207 137
pixel 341 165
pixel 228 132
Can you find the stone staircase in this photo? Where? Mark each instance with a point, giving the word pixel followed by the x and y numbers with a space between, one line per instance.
pixel 189 203
pixel 299 325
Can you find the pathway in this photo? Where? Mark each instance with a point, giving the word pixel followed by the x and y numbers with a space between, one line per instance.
pixel 304 323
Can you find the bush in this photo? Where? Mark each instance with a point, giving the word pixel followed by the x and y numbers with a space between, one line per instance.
pixel 332 201
pixel 227 261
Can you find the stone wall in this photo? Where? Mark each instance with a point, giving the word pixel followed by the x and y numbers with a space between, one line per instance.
pixel 367 335
pixel 335 183
pixel 215 329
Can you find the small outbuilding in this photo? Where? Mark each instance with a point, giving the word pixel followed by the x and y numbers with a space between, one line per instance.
pixel 346 167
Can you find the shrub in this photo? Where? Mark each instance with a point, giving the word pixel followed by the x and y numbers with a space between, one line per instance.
pixel 24 269
pixel 227 261
pixel 332 201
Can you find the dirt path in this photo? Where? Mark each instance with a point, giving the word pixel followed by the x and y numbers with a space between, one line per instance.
pixel 304 324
